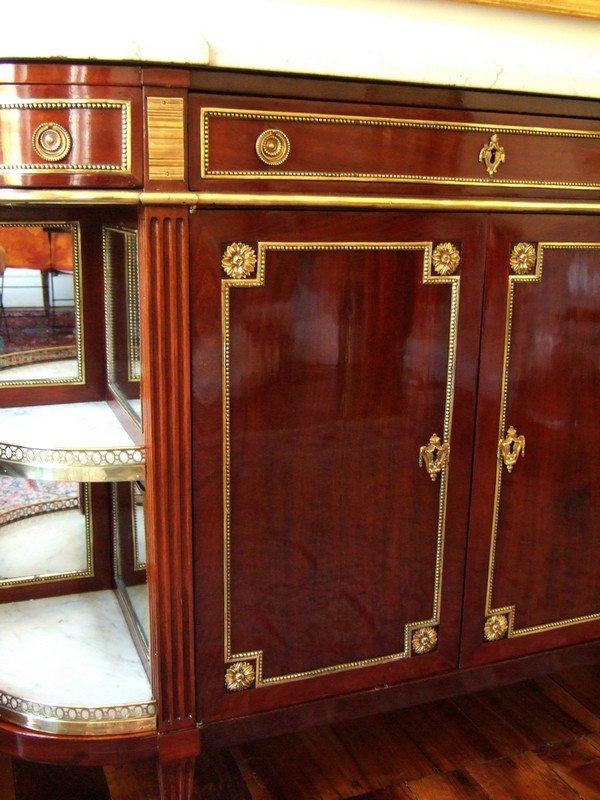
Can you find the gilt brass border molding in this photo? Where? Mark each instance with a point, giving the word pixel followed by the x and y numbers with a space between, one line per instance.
pixel 124 106
pixel 501 621
pixel 276 117
pixel 420 636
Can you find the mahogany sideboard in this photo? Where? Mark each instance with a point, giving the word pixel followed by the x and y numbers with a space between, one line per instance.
pixel 325 420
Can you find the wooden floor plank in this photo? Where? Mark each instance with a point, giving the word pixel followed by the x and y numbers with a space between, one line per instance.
pixel 570 704
pixel 522 777
pixel 457 785
pixel 35 781
pixel 137 781
pixel 577 763
pixel 584 684
pixel 448 738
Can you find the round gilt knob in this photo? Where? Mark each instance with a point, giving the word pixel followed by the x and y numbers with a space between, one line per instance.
pixel 51 141
pixel 273 147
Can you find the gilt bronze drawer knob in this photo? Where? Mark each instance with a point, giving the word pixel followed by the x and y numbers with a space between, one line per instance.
pixel 273 147
pixel 51 141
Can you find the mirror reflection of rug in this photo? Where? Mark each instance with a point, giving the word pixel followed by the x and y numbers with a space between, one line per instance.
pixel 22 497
pixel 28 336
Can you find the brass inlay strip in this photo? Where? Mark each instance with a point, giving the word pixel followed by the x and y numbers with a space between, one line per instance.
pixel 264 248
pixel 510 610
pixel 94 465
pixel 78 720
pixel 122 106
pixel 274 118
pixel 198 201
pixel 166 138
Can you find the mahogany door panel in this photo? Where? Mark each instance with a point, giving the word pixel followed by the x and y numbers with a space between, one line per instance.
pixel 534 568
pixel 332 354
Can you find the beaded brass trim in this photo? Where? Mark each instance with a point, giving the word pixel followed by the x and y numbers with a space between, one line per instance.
pixel 228 284
pixel 281 117
pixel 533 275
pixel 10 124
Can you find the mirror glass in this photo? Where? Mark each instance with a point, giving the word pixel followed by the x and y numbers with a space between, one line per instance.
pixel 41 338
pixel 121 282
pixel 45 531
pixel 130 556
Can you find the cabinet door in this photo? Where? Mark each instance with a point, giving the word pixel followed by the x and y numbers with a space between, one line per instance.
pixel 332 354
pixel 534 565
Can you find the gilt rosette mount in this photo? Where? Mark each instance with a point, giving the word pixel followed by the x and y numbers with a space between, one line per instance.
pixel 239 261
pixel 434 456
pixel 424 640
pixel 523 258
pixel 496 627
pixel 240 676
pixel 445 258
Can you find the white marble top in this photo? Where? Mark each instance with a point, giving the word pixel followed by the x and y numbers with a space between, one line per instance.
pixel 70 651
pixel 420 41
pixel 64 426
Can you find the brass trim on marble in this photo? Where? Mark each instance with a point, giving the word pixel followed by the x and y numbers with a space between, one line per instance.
pixel 54 506
pixel 166 138
pixel 92 464
pixel 258 280
pixel 80 378
pixel 509 612
pixel 278 117
pixel 78 720
pixel 11 125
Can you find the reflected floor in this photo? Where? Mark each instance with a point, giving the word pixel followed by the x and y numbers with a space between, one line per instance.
pixel 41 370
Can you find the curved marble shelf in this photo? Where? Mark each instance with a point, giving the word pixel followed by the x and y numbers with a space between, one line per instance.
pixel 93 682
pixel 68 442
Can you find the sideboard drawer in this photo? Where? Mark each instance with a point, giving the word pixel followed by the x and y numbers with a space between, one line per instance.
pixel 82 139
pixel 388 150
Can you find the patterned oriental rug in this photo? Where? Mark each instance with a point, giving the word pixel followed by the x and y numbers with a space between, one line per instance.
pixel 21 498
pixel 28 336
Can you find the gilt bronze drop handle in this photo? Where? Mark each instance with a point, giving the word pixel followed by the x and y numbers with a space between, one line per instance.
pixel 511 447
pixel 434 455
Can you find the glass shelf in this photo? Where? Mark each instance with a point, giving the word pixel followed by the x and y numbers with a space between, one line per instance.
pixel 93 682
pixel 68 442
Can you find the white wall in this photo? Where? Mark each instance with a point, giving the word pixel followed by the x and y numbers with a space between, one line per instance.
pixel 431 41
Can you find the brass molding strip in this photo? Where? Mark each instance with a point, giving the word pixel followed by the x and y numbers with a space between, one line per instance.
pixel 242 280
pixel 200 200
pixel 508 612
pixel 94 465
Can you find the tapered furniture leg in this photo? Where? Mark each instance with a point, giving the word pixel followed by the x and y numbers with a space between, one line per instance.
pixel 176 779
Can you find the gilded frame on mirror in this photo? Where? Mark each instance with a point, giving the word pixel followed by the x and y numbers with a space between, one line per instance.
pixel 121 290
pixel 41 310
pixel 60 498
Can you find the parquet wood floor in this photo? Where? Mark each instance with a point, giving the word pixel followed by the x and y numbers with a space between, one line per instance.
pixel 536 740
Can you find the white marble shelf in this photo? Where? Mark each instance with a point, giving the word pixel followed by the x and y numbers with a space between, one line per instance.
pixel 68 442
pixel 69 666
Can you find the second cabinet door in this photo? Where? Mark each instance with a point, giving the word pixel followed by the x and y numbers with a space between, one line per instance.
pixel 334 378
pixel 534 567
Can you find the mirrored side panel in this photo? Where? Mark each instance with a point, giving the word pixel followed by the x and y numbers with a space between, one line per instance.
pixel 129 538
pixel 46 531
pixel 121 284
pixel 41 313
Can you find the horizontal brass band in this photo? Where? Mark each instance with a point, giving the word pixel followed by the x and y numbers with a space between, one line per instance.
pixel 200 200
pixel 78 721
